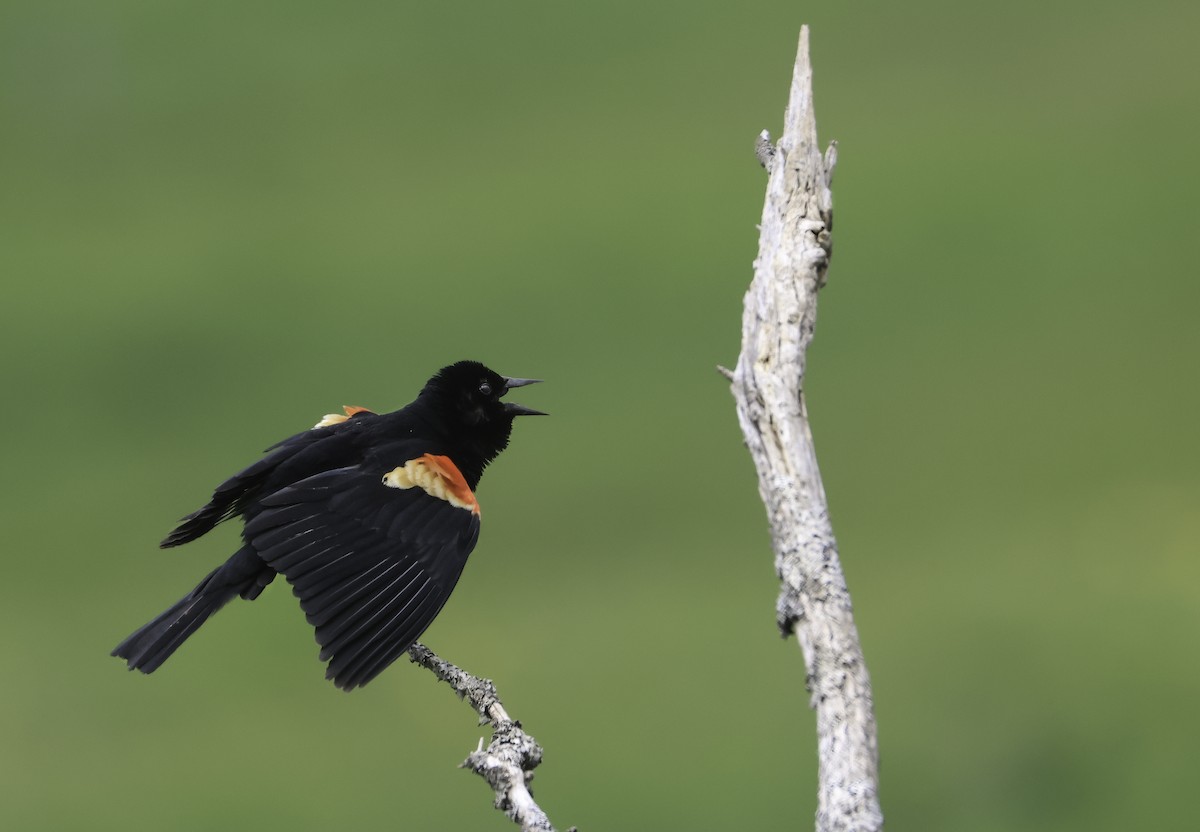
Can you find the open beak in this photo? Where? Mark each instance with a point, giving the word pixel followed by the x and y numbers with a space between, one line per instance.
pixel 514 409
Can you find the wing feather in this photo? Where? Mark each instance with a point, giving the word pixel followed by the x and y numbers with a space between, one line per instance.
pixel 297 554
pixel 287 515
pixel 324 574
pixel 372 565
pixel 340 633
pixel 354 668
pixel 344 599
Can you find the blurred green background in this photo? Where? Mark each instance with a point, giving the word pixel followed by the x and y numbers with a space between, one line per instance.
pixel 222 220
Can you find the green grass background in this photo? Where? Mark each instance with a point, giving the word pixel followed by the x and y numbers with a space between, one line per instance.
pixel 221 220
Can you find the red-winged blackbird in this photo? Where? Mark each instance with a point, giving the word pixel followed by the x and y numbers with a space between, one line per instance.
pixel 370 517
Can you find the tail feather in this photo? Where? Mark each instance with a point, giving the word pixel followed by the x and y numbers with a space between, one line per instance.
pixel 148 647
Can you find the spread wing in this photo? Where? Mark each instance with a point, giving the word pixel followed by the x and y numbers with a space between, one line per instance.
pixel 372 560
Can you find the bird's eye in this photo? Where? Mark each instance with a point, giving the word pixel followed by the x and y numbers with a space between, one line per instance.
pixel 485 389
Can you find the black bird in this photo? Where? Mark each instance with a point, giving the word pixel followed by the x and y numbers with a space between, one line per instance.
pixel 370 517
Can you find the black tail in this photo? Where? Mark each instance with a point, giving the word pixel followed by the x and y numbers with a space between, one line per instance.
pixel 243 574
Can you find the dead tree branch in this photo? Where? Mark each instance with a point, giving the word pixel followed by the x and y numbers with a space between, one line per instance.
pixel 767 384
pixel 508 762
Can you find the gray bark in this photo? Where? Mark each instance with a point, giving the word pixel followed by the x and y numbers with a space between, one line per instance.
pixel 768 383
pixel 508 762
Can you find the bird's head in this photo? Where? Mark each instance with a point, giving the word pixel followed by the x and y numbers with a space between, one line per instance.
pixel 466 399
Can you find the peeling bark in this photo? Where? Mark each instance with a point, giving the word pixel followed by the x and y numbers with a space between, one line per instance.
pixel 778 323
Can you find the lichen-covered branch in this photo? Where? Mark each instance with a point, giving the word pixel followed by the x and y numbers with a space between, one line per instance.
pixel 508 762
pixel 777 327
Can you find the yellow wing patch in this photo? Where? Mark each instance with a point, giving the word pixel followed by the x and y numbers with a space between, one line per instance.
pixel 337 418
pixel 437 476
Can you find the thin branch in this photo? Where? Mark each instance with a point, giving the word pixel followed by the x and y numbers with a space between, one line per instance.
pixel 508 762
pixel 768 382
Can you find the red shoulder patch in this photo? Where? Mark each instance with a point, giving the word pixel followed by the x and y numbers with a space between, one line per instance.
pixel 437 476
pixel 337 418
pixel 456 483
